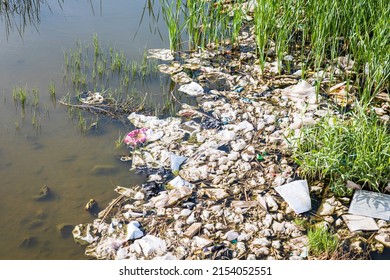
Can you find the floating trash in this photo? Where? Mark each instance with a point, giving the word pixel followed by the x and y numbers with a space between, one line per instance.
pixel 170 69
pixel 297 195
pixel 181 78
pixel 136 137
pixel 91 98
pixel 162 54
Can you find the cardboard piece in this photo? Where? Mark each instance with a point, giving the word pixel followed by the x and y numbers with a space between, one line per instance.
pixel 356 222
pixel 297 195
pixel 370 204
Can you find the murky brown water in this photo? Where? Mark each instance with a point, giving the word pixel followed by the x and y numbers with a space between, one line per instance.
pixel 59 155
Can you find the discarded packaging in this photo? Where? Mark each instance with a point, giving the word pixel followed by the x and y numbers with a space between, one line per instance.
pixel 297 195
pixel 356 222
pixel 370 204
pixel 162 54
pixel 176 161
pixel 136 137
pixel 302 91
pixel 91 98
pixel 170 69
pixel 149 245
pixel 133 231
pixel 179 182
pixel 192 89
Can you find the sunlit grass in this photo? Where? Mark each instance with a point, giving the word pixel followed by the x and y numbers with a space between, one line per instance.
pixel 355 148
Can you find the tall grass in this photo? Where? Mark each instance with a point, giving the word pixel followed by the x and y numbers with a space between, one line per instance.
pixel 316 32
pixel 355 148
pixel 201 22
pixel 321 31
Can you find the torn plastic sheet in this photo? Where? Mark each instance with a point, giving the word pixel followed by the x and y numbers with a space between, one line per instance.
pixel 297 195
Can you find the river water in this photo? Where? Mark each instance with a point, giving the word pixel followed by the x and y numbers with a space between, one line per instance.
pixel 58 154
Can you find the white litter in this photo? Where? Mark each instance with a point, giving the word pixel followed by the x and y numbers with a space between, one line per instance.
pixel 370 204
pixel 193 89
pixel 297 195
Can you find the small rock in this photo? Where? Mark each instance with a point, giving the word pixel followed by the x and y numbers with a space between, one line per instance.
pixel 353 186
pixel 44 194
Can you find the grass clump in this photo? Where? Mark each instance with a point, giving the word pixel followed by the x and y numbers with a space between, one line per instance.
pixel 355 147
pixel 322 244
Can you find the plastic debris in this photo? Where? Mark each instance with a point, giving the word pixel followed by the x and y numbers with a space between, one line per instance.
pixel 133 231
pixel 356 222
pixel 342 94
pixel 149 245
pixel 259 157
pixel 136 137
pixel 297 195
pixel 91 98
pixel 84 234
pixel 153 122
pixel 170 69
pixel 370 204
pixel 301 92
pixel 181 78
pixel 192 89
pixel 162 54
pixel 176 161
pixel 211 123
pixel 179 182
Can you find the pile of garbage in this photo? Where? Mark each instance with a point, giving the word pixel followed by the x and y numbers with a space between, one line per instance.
pixel 221 182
